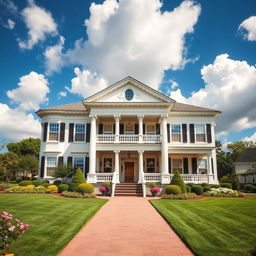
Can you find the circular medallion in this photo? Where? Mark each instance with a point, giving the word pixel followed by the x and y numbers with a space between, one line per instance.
pixel 129 94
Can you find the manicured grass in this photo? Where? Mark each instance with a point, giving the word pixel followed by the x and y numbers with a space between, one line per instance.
pixel 251 194
pixel 213 226
pixel 53 220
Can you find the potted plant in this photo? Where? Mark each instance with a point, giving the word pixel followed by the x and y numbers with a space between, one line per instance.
pixel 104 190
pixel 154 191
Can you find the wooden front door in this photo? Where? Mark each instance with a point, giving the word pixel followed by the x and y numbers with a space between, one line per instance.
pixel 129 172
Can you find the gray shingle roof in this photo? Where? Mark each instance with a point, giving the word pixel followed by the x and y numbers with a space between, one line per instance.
pixel 249 155
pixel 190 108
pixel 77 106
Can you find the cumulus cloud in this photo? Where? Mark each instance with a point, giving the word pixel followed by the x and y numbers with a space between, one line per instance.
pixel 10 6
pixel 62 94
pixel 230 86
pixel 16 125
pixel 85 83
pixel 134 37
pixel 251 138
pixel 248 28
pixel 39 23
pixel 173 84
pixel 31 92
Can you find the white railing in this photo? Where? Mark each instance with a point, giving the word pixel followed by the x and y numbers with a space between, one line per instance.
pixel 104 176
pixel 194 178
pixel 106 138
pixel 152 138
pixel 128 138
pixel 156 177
pixel 124 138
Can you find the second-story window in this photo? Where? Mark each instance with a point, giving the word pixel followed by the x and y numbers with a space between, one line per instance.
pixel 54 132
pixel 200 133
pixel 108 129
pixel 80 132
pixel 176 133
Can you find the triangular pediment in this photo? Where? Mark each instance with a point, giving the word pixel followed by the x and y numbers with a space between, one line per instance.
pixel 129 90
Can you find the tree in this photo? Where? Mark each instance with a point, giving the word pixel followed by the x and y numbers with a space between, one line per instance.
pixel 28 166
pixel 64 171
pixel 8 165
pixel 177 180
pixel 236 149
pixel 77 179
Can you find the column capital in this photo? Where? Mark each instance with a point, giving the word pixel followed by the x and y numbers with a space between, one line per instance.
pixel 117 117
pixel 140 151
pixel 93 116
pixel 140 116
pixel 117 151
pixel 164 116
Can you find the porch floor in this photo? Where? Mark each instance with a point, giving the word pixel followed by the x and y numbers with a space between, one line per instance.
pixel 126 226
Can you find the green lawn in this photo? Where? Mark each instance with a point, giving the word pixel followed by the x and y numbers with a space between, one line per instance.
pixel 213 226
pixel 53 220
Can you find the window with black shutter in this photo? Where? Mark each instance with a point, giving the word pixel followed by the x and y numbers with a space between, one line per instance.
pixel 194 165
pixel 62 132
pixel 70 162
pixel 209 133
pixel 136 128
pixel 185 165
pixel 60 160
pixel 192 133
pixel 184 133
pixel 144 129
pixel 71 132
pixel 168 133
pixel 86 168
pixel 121 128
pixel 42 166
pixel 100 130
pixel 157 129
pixel 88 132
pixel 45 132
pixel 170 164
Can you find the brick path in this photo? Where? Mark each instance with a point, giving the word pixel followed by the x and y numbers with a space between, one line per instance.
pixel 126 226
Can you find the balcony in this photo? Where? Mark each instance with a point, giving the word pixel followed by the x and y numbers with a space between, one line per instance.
pixel 128 138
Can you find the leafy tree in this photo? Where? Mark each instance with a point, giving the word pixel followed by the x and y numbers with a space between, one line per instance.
pixel 177 180
pixel 77 179
pixel 8 165
pixel 236 149
pixel 28 166
pixel 64 171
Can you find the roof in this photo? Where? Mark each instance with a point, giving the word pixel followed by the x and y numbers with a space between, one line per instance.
pixel 77 106
pixel 181 107
pixel 249 155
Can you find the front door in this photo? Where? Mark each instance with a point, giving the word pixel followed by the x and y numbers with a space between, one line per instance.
pixel 129 172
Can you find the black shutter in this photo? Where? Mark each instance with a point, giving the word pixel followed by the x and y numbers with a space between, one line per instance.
pixel 62 132
pixel 121 128
pixel 194 165
pixel 209 133
pixel 42 166
pixel 157 128
pixel 192 133
pixel 170 164
pixel 88 132
pixel 71 132
pixel 212 165
pixel 114 128
pixel 184 133
pixel 45 132
pixel 144 129
pixel 70 160
pixel 136 128
pixel 168 133
pixel 185 165
pixel 100 129
pixel 60 160
pixel 87 159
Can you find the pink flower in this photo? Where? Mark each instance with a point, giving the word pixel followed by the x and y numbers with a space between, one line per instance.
pixel 18 221
pixel 103 189
pixel 155 190
pixel 11 228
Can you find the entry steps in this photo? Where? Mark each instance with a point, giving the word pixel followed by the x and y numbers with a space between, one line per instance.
pixel 128 189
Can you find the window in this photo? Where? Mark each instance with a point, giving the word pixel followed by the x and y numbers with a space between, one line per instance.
pixel 151 129
pixel 202 167
pixel 54 132
pixel 79 132
pixel 108 129
pixel 176 134
pixel 177 165
pixel 129 128
pixel 200 132
pixel 108 164
pixel 79 163
pixel 129 94
pixel 151 164
pixel 51 166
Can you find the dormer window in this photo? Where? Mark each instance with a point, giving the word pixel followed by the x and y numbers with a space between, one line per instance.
pixel 129 94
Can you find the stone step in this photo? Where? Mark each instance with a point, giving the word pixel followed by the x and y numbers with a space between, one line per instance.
pixel 128 189
pixel 128 194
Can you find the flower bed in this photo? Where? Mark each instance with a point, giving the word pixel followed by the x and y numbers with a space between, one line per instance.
pixel 224 192
pixel 180 196
pixel 77 195
pixel 27 189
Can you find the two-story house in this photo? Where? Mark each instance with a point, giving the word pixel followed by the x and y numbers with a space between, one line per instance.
pixel 131 133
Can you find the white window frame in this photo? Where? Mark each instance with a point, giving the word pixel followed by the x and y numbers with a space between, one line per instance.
pixel 146 159
pixel 129 133
pixel 175 169
pixel 107 132
pixel 46 166
pixel 204 125
pixel 50 131
pixel 150 133
pixel 73 161
pixel 176 133
pixel 79 141
pixel 103 163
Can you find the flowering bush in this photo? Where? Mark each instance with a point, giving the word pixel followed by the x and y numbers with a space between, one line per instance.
pixel 10 230
pixel 27 189
pixel 180 196
pixel 224 192
pixel 77 195
pixel 103 189
pixel 155 189
pixel 2 188
pixel 52 189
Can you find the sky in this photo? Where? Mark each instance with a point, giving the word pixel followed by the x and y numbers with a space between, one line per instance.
pixel 197 52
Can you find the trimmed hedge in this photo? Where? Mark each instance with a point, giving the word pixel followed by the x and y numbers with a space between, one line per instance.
pixel 52 189
pixel 63 187
pixel 46 185
pixel 172 190
pixel 215 186
pixel 177 180
pixel 197 189
pixel 226 185
pixel 25 183
pixel 86 188
pixel 188 189
pixel 249 187
pixel 235 185
pixel 206 188
pixel 180 197
pixel 36 182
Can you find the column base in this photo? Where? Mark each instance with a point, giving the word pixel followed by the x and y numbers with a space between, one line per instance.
pixel 91 178
pixel 165 178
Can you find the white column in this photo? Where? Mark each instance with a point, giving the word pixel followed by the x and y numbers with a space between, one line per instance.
pixel 140 117
pixel 140 165
pixel 117 121
pixel 92 166
pixel 165 169
pixel 117 165
pixel 214 171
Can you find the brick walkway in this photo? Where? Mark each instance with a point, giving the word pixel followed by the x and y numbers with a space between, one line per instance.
pixel 126 226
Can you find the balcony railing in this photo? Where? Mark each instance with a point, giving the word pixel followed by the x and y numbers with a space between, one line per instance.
pixel 124 138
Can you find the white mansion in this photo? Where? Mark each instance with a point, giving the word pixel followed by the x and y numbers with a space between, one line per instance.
pixel 130 133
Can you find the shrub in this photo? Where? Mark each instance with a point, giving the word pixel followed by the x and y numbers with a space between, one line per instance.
pixel 254 189
pixel 226 185
pixel 215 186
pixel 106 184
pixel 204 184
pixel 45 181
pixel 77 179
pixel 25 183
pixel 197 189
pixel 152 184
pixel 2 188
pixel 190 184
pixel 177 180
pixel 52 189
pixel 172 189
pixel 45 184
pixel 63 187
pixel 180 197
pixel 36 182
pixel 27 189
pixel 224 192
pixel 86 188
pixel 248 187
pixel 235 184
pixel 188 188
pixel 226 179
pixel 57 182
pixel 205 189
pixel 77 195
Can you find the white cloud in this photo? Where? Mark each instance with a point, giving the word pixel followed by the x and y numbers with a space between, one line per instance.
pixel 85 83
pixel 39 23
pixel 10 6
pixel 173 84
pixel 248 26
pixel 62 94
pixel 10 24
pixel 251 138
pixel 230 87
pixel 15 125
pixel 31 92
pixel 134 37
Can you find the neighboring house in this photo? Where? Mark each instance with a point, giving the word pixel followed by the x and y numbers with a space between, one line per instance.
pixel 132 133
pixel 245 166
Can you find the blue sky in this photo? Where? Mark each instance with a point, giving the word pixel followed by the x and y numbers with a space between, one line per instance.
pixel 193 51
